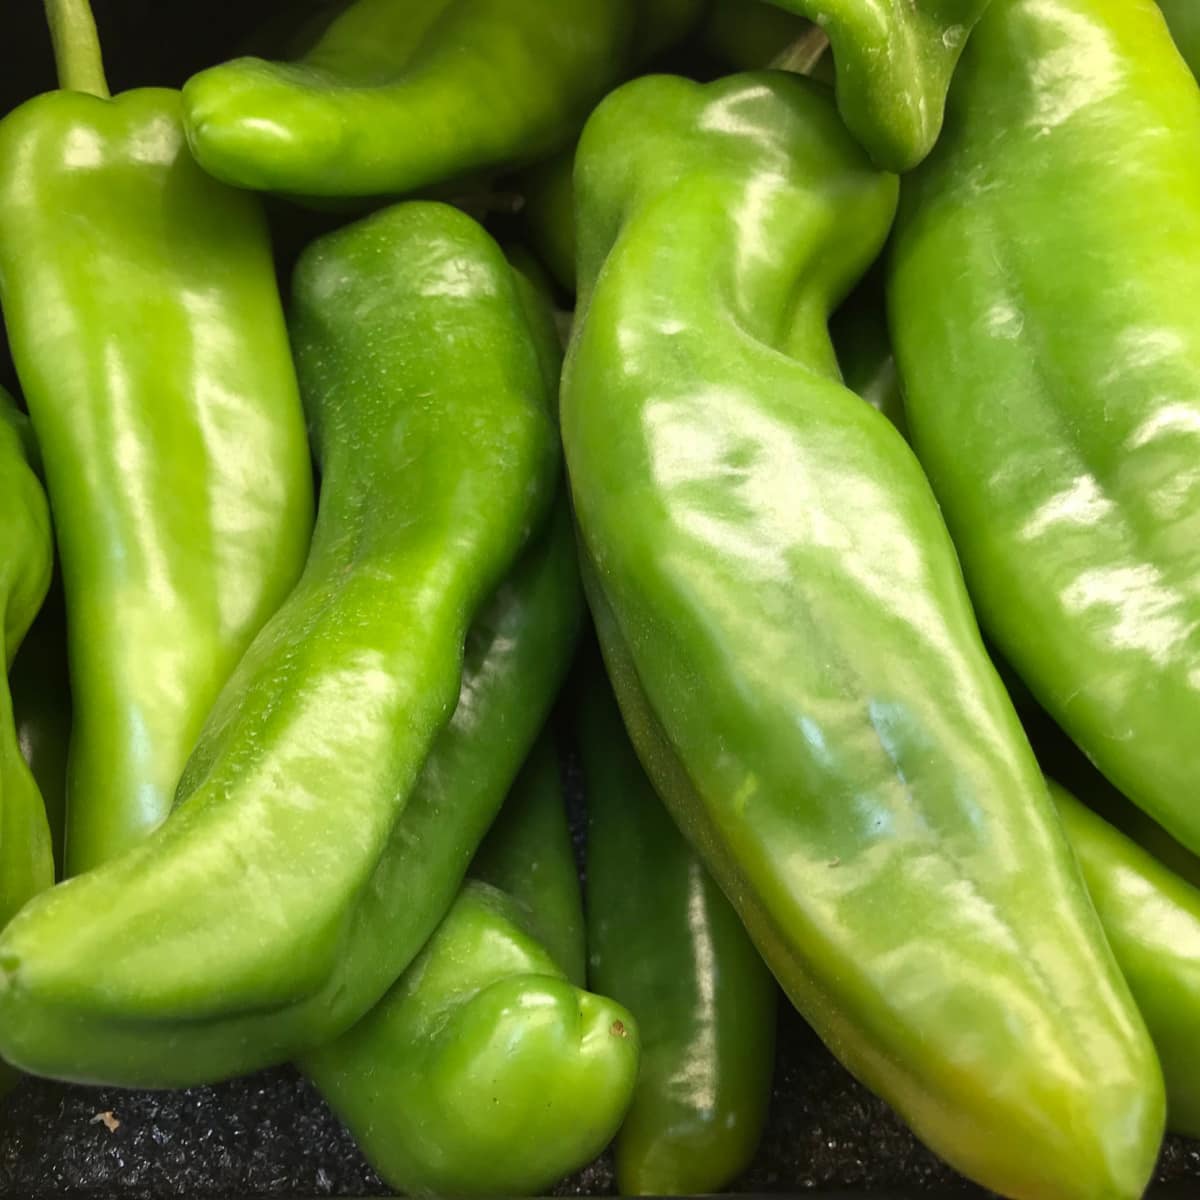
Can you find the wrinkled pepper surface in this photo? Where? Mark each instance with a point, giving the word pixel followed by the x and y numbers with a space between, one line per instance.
pixel 26 563
pixel 1152 919
pixel 487 1070
pixel 795 654
pixel 894 64
pixel 243 930
pixel 665 942
pixel 149 337
pixel 1057 411
pixel 1183 18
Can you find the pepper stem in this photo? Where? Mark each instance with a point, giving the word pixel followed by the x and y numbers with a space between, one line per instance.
pixel 802 55
pixel 76 47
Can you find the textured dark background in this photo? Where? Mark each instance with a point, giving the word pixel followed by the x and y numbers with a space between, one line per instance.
pixel 272 1133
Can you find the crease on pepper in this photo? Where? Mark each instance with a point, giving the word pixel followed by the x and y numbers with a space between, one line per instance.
pixel 438 466
pixel 1054 406
pixel 148 334
pixel 488 1069
pixel 787 629
pixel 26 564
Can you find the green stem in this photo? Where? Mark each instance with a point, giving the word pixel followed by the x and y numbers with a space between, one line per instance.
pixel 804 53
pixel 76 47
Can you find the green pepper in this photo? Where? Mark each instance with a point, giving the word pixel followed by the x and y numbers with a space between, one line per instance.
pixel 41 697
pixel 1054 408
pixel 147 330
pixel 894 65
pixel 795 654
pixel 398 95
pixel 26 562
pixel 220 943
pixel 486 1070
pixel 1152 918
pixel 1062 760
pixel 529 856
pixel 1183 18
pixel 666 943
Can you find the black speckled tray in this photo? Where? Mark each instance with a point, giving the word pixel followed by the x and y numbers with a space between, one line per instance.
pixel 272 1134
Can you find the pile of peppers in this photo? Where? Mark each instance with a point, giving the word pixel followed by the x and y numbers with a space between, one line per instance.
pixel 787 413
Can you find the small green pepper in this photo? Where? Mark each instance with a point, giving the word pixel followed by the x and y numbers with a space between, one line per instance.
pixel 147 329
pixel 484 1071
pixel 665 942
pixel 1043 309
pixel 894 65
pixel 219 943
pixel 26 562
pixel 796 658
pixel 1152 919
pixel 487 1070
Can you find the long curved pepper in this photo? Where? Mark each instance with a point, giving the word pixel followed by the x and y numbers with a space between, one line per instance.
pixel 148 334
pixel 398 95
pixel 1152 919
pixel 1056 410
pixel 789 636
pixel 664 941
pixel 219 943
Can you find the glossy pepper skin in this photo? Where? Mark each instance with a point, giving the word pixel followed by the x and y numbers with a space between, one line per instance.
pixel 487 1070
pixel 431 421
pixel 484 1071
pixel 529 856
pixel 1183 17
pixel 664 941
pixel 26 562
pixel 398 95
pixel 1152 919
pixel 149 337
pixel 794 651
pixel 894 65
pixel 1055 411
